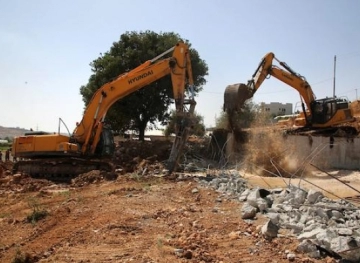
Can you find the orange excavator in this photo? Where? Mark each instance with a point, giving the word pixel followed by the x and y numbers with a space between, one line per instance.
pixel 328 114
pixel 91 145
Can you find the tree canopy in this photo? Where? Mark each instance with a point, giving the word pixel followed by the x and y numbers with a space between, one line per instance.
pixel 150 104
pixel 242 119
pixel 198 127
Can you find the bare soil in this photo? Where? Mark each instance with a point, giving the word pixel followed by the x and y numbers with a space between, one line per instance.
pixel 139 216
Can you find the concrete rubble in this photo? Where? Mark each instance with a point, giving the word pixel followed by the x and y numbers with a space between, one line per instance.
pixel 323 226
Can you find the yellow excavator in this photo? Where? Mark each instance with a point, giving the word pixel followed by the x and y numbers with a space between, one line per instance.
pixel 317 114
pixel 91 145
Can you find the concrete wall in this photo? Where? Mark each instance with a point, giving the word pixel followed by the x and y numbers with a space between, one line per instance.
pixel 341 154
pixel 344 154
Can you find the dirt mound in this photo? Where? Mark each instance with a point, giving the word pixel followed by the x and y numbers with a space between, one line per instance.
pixel 6 166
pixel 130 154
pixel 92 177
pixel 140 158
pixel 22 183
pixel 150 157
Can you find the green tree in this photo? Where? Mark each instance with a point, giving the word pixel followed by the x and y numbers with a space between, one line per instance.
pixel 242 119
pixel 147 105
pixel 9 139
pixel 198 127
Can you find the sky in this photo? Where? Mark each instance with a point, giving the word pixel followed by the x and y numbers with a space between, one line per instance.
pixel 46 47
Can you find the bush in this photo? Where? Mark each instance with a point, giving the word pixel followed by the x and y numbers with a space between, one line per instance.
pixel 37 213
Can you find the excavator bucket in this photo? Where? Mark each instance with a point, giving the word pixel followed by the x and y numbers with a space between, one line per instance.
pixel 235 97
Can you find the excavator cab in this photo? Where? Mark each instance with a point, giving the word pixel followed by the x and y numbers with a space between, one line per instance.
pixel 323 110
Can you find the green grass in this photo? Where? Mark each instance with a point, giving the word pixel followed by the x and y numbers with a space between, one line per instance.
pixel 37 212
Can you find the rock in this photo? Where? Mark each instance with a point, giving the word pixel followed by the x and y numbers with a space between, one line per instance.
pixel 244 195
pixel 248 211
pixel 269 230
pixel 299 196
pixel 276 208
pixel 314 196
pixel 195 190
pixel 336 214
pixel 178 252
pixel 324 237
pixel 310 235
pixel 309 248
pixel 262 204
pixel 253 197
pixel 296 228
pixel 311 225
pixel 291 256
pixel 347 246
pixel 303 218
pixel 274 217
pixel 323 213
pixel 234 235
pixel 344 232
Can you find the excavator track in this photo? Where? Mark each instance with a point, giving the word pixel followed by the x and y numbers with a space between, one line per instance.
pixel 63 169
pixel 337 131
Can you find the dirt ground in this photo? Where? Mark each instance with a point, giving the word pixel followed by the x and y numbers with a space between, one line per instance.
pixel 139 216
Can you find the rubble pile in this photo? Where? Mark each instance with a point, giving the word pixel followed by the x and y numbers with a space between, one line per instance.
pixel 21 183
pixel 149 157
pixel 134 155
pixel 323 226
pixel 6 166
pixel 92 177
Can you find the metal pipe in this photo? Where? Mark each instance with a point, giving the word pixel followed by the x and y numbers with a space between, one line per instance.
pixel 162 54
pixel 336 178
pixel 334 75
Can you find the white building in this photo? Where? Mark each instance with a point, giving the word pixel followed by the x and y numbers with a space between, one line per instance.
pixel 276 108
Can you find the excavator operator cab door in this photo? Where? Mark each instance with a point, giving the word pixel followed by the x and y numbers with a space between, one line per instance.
pixel 106 145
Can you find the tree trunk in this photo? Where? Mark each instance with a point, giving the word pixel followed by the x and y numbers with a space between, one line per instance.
pixel 141 127
pixel 141 135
